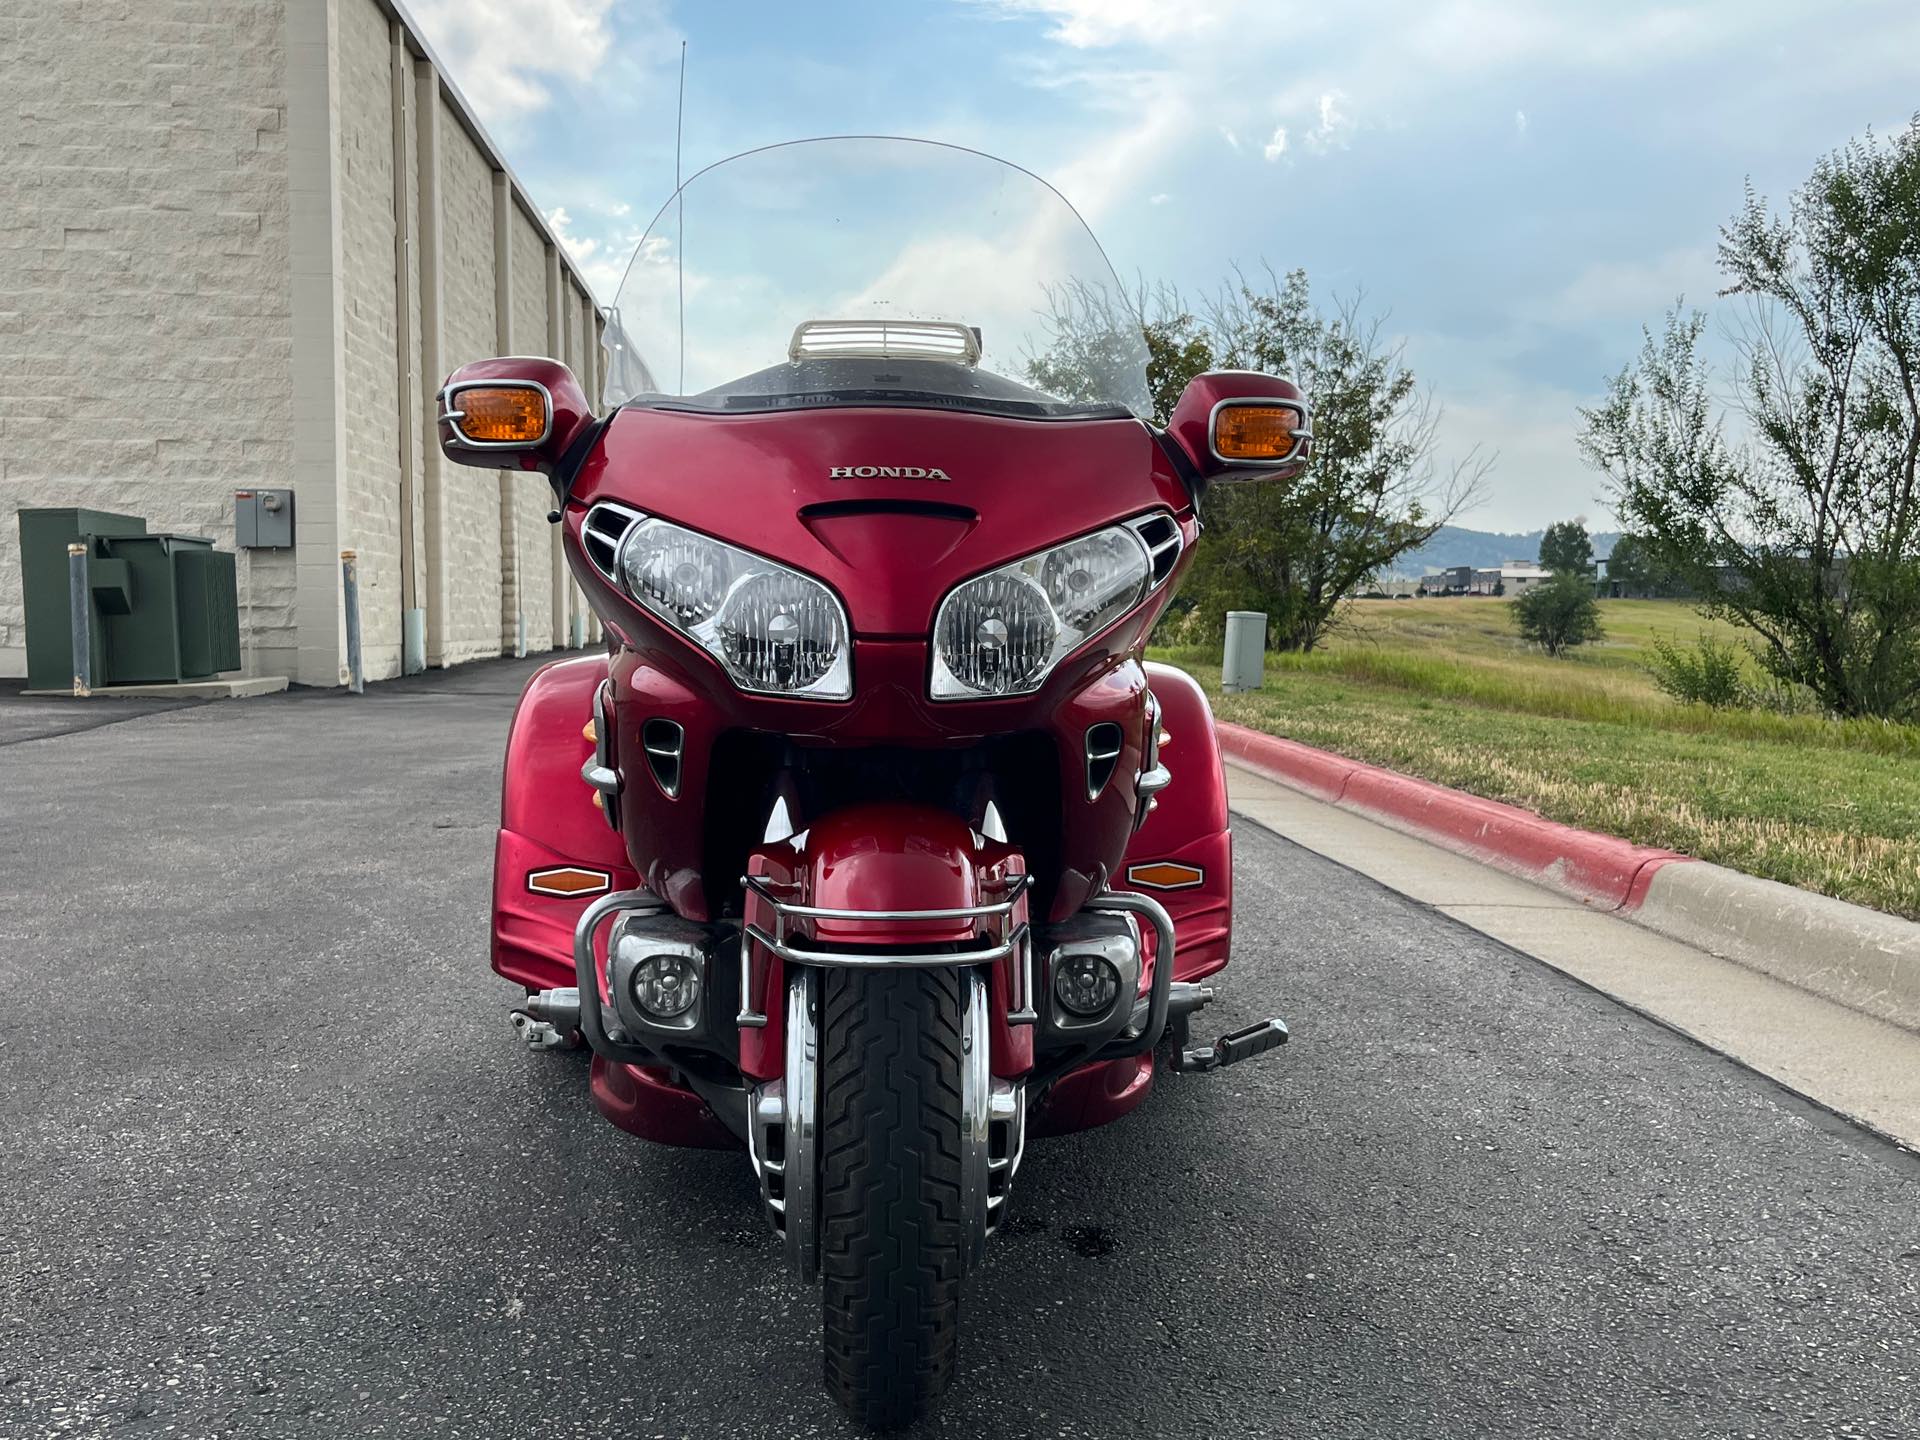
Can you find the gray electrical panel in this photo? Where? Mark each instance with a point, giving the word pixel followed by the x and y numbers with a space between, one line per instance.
pixel 263 519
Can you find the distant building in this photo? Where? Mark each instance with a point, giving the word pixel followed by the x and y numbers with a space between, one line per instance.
pixel 1508 579
pixel 1451 580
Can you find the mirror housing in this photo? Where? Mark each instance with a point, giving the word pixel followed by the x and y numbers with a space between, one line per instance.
pixel 518 413
pixel 1240 425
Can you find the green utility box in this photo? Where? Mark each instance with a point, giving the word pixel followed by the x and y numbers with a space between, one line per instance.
pixel 161 608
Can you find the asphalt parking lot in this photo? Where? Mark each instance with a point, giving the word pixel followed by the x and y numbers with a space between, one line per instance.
pixel 275 1166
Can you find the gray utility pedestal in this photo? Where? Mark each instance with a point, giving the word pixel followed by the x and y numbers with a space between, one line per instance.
pixel 1243 666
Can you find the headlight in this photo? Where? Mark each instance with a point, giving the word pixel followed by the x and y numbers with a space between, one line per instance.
pixel 776 631
pixel 1002 632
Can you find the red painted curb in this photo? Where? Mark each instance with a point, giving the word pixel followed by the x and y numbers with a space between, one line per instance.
pixel 1600 870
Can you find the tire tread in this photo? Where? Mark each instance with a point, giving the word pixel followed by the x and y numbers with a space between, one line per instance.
pixel 892 1223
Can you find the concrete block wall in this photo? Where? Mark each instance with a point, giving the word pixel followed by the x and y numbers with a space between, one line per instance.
pixel 471 497
pixel 223 264
pixel 372 473
pixel 144 279
pixel 531 499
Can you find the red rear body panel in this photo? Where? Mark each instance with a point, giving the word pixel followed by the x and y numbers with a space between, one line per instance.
pixel 547 822
pixel 1188 828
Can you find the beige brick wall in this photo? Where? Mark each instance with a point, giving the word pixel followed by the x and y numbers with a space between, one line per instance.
pixel 467 321
pixel 532 498
pixel 144 280
pixel 371 473
pixel 153 280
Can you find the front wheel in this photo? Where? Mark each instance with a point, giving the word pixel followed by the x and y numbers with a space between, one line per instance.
pixel 893 1219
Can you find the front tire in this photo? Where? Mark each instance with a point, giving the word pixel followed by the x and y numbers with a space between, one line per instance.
pixel 893 1232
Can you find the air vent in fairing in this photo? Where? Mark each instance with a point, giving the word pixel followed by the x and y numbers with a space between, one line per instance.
pixel 1160 533
pixel 1104 744
pixel 665 743
pixel 602 532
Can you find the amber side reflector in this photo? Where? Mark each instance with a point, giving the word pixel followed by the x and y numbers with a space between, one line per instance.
pixel 568 880
pixel 1165 875
pixel 1255 432
pixel 502 414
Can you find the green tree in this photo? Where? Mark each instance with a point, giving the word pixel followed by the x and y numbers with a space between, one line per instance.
pixel 1294 549
pixel 1566 548
pixel 1795 509
pixel 1632 569
pixel 1559 614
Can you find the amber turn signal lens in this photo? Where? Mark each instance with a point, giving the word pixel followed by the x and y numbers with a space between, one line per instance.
pixel 502 414
pixel 1255 432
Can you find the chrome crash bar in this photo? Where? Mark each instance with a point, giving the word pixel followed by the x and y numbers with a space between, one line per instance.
pixel 1001 938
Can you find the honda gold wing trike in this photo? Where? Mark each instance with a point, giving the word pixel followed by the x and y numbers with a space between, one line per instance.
pixel 871 846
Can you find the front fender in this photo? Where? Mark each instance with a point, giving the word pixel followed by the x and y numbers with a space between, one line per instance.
pixel 882 858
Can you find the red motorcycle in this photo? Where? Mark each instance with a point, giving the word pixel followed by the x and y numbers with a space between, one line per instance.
pixel 879 865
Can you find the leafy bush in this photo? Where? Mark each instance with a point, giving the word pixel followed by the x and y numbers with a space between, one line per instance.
pixel 1708 674
pixel 1559 615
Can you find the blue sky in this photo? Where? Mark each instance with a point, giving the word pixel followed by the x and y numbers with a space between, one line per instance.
pixel 1519 184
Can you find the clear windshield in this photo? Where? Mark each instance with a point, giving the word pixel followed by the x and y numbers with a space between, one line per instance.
pixel 863 271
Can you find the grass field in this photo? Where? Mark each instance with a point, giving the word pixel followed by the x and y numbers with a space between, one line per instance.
pixel 1444 689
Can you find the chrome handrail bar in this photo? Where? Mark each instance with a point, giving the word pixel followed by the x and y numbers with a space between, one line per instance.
pixel 871 960
pixel 1017 887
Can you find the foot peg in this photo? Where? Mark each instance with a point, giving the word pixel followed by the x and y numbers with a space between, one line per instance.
pixel 1231 1049
pixel 551 1020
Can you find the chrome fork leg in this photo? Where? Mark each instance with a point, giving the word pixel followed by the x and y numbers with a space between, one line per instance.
pixel 783 1135
pixel 993 1123
pixel 976 1093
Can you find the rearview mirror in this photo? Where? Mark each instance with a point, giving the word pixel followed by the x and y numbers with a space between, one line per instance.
pixel 515 413
pixel 1239 425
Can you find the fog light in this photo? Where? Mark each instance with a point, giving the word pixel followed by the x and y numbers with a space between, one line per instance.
pixel 665 986
pixel 1085 985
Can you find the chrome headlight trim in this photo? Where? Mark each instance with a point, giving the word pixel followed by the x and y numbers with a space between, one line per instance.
pixel 743 578
pixel 1036 585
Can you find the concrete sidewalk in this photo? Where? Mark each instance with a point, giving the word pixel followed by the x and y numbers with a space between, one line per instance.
pixel 1850 1062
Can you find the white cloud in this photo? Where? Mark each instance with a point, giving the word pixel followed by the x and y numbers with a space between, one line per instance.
pixel 1226 134
pixel 1334 129
pixel 601 259
pixel 1094 24
pixel 1277 146
pixel 1161 199
pixel 1636 289
pixel 561 223
pixel 501 53
pixel 1520 121
pixel 1098 179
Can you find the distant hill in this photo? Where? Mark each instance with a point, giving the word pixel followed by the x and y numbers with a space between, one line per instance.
pixel 1483 549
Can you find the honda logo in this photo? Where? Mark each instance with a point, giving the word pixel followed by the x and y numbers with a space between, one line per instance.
pixel 887 472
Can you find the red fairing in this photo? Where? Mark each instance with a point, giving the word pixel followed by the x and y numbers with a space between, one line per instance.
pixel 765 482
pixel 1188 830
pixel 883 857
pixel 1094 1095
pixel 548 823
pixel 644 1101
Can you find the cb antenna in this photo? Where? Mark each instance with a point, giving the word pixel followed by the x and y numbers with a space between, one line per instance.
pixel 680 216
